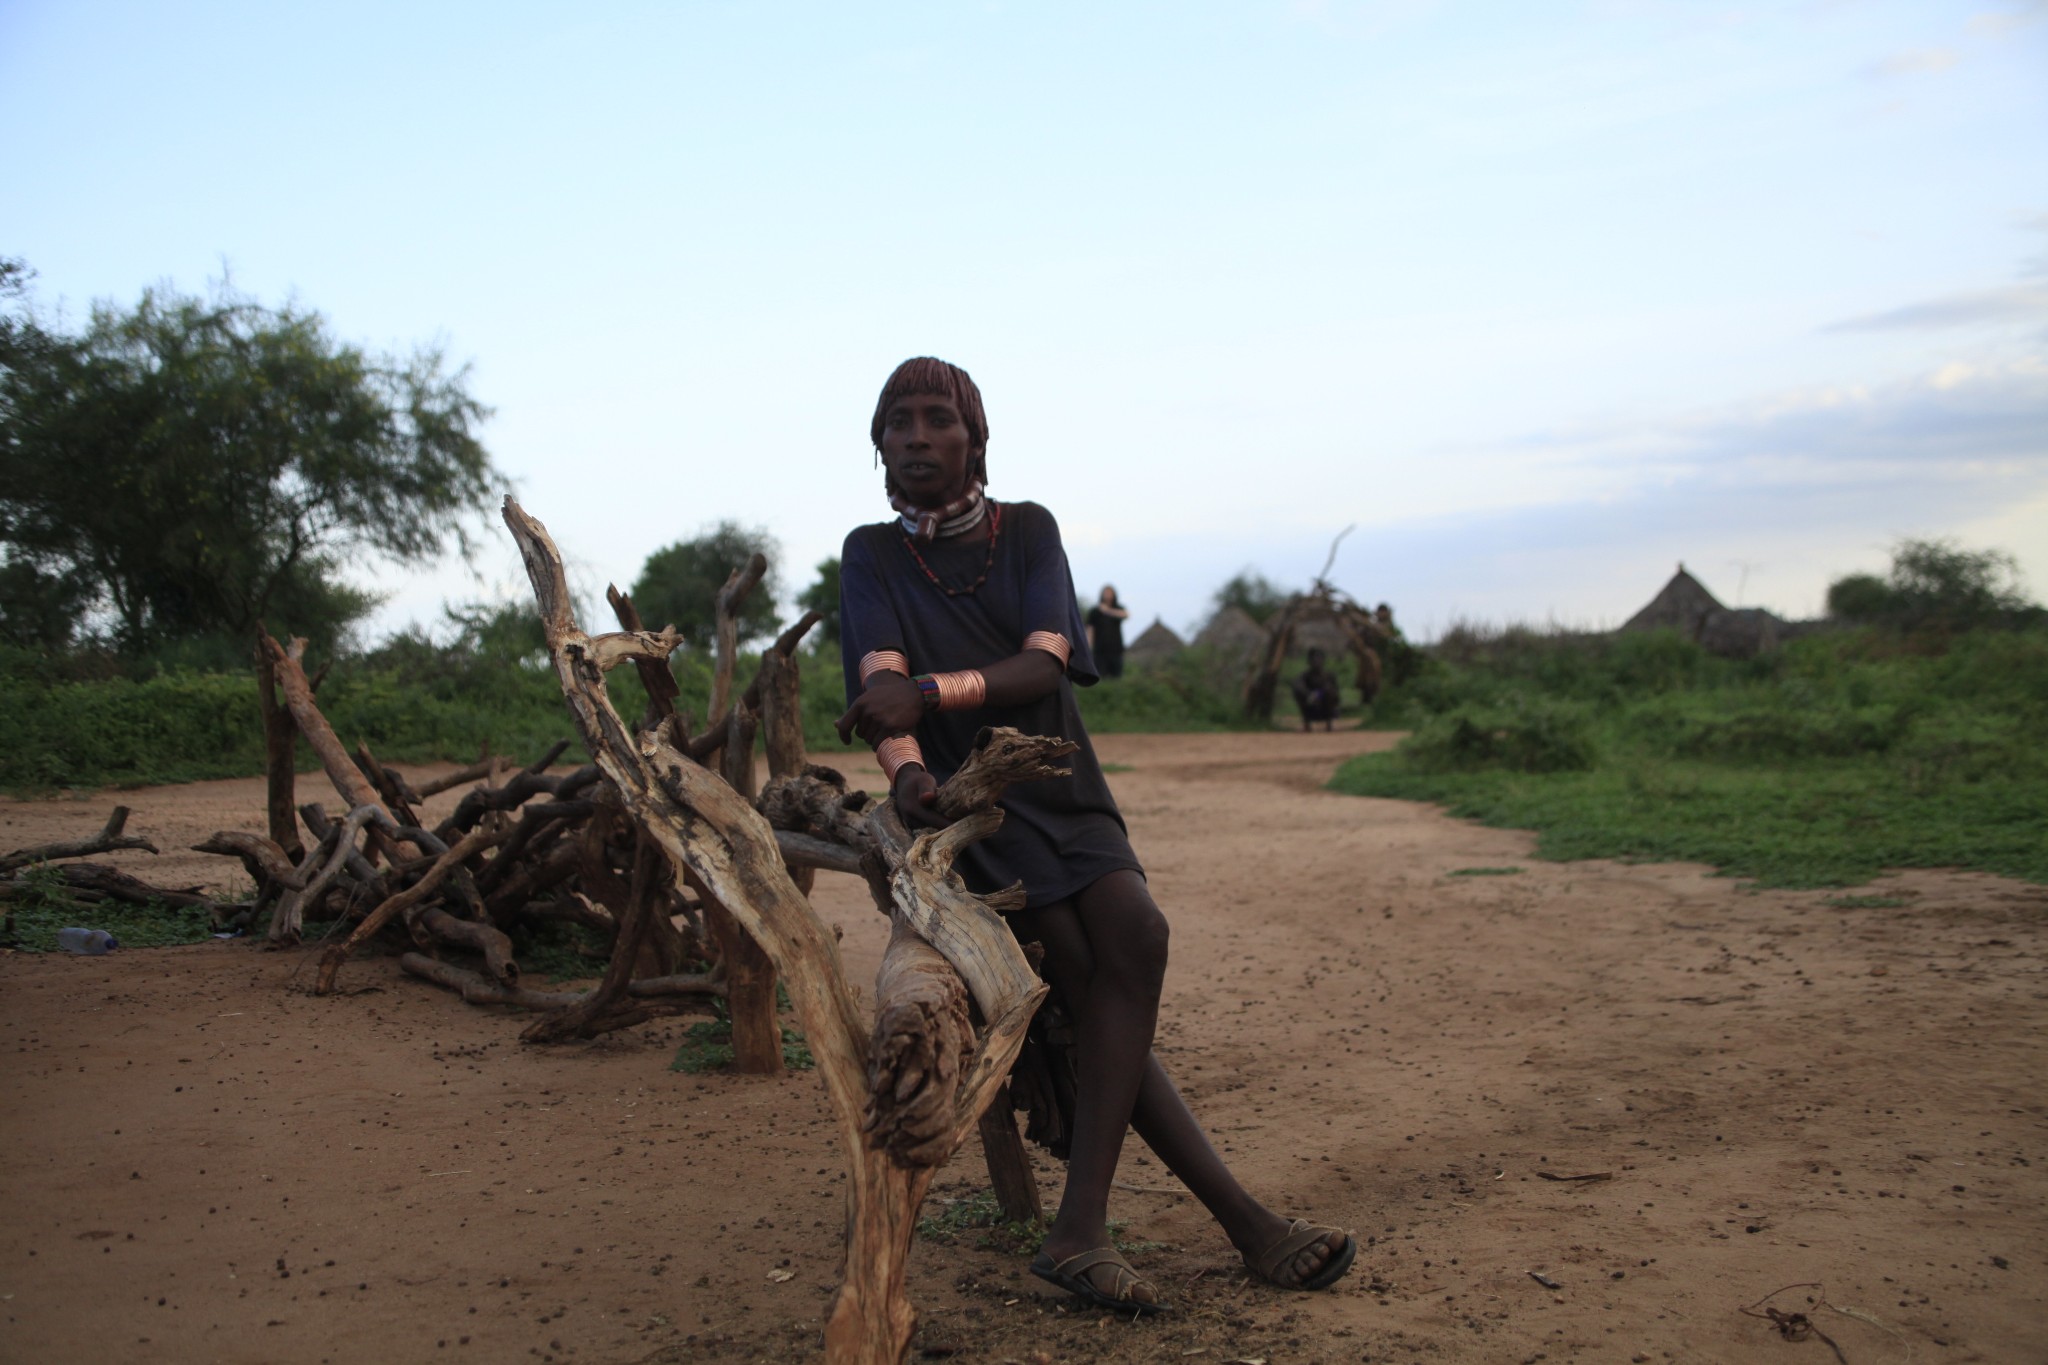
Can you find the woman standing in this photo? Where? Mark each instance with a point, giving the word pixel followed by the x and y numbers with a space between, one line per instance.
pixel 958 613
pixel 1106 633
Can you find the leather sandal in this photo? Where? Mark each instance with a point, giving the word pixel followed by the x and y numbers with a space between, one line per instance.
pixel 1072 1276
pixel 1271 1264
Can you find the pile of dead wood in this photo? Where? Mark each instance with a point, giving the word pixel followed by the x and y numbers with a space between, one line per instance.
pixel 662 844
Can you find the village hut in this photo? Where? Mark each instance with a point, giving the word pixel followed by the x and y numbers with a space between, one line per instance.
pixel 1158 642
pixel 1685 605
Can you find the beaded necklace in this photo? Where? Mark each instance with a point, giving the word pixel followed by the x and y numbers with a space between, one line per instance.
pixel 995 531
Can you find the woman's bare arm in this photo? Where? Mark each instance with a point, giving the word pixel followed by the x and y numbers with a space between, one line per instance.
pixel 892 704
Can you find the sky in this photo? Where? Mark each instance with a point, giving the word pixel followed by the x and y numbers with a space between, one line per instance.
pixel 1542 299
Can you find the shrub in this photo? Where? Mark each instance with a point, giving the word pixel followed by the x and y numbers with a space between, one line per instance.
pixel 1532 737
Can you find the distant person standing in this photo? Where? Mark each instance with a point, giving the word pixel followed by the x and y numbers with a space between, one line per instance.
pixel 1106 633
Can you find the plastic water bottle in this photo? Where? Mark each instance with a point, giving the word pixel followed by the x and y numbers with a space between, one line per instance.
pixel 91 942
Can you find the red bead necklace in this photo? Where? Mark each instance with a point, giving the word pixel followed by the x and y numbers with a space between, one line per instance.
pixel 995 531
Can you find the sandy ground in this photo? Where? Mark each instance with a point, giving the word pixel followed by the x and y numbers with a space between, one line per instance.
pixel 207 1164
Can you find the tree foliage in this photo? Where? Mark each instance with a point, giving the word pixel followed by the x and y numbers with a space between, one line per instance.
pixel 1934 584
pixel 823 597
pixel 190 468
pixel 1253 593
pixel 678 585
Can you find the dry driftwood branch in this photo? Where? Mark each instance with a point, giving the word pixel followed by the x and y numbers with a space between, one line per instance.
pixel 523 787
pixel 657 679
pixel 280 765
pixel 315 816
pixel 478 989
pixel 336 849
pixel 107 840
pixel 604 1008
pixel 701 824
pixel 437 924
pixel 923 1046
pixel 114 884
pixel 298 694
pixel 1001 757
pixel 804 851
pixel 617 647
pixel 265 861
pixel 402 902
pixel 726 613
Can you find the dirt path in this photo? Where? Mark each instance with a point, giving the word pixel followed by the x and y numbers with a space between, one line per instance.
pixel 207 1164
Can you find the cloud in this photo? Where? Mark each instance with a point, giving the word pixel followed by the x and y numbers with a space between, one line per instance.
pixel 1997 24
pixel 2023 302
pixel 1919 59
pixel 1992 416
pixel 1770 499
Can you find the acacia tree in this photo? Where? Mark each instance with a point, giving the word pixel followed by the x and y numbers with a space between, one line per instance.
pixel 679 583
pixel 197 467
pixel 823 598
pixel 1935 583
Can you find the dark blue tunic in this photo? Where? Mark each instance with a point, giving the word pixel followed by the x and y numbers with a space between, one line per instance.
pixel 1059 834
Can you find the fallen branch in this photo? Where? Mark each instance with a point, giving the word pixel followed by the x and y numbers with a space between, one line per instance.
pixel 107 840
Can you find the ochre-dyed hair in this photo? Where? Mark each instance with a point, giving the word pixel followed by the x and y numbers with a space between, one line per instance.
pixel 925 374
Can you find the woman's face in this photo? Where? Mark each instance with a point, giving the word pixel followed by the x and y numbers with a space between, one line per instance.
pixel 926 449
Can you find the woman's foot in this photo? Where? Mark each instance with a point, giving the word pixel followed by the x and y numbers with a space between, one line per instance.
pixel 1297 1254
pixel 1100 1276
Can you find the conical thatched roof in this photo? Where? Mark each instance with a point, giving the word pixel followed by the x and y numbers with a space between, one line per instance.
pixel 1158 638
pixel 1682 605
pixel 1233 629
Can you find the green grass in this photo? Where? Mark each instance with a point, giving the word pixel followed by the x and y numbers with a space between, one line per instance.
pixel 978 1216
pixel 46 904
pixel 1820 765
pixel 1485 872
pixel 707 1046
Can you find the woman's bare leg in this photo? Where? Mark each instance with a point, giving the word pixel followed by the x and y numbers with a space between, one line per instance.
pixel 1117 936
pixel 1117 913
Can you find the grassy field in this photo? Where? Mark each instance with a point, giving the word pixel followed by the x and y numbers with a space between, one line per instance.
pixel 414 704
pixel 1817 765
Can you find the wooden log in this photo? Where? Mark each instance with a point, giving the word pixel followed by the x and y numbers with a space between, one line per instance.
pixel 535 875
pixel 606 1008
pixel 532 821
pixel 478 989
pixel 1265 677
pixel 266 863
pixel 298 695
pixel 749 970
pixel 315 816
pixel 402 902
pixel 750 988
pixel 726 617
pixel 923 1045
pixel 1009 1165
pixel 114 884
pixel 399 797
pixel 702 825
pixel 777 693
pixel 657 677
pixel 496 949
pixel 280 760
pixel 803 852
pixel 523 787
pixel 336 850
pixel 107 840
